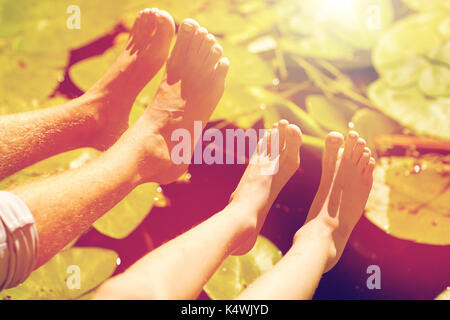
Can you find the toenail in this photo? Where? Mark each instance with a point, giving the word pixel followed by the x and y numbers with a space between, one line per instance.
pixel 187 27
pixel 334 139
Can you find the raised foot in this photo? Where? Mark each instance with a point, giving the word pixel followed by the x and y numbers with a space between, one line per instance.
pixel 269 170
pixel 344 189
pixel 192 87
pixel 111 98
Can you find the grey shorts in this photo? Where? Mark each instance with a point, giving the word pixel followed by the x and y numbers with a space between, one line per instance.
pixel 18 241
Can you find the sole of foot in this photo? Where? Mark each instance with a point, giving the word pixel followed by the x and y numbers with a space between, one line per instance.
pixel 192 87
pixel 346 181
pixel 271 166
pixel 112 97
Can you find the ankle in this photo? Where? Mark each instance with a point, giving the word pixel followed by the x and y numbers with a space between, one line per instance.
pixel 244 215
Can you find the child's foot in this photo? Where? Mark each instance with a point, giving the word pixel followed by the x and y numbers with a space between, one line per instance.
pixel 344 188
pixel 259 186
pixel 112 97
pixel 191 89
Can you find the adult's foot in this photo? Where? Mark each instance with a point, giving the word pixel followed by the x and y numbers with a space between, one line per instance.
pixel 192 87
pixel 262 180
pixel 347 177
pixel 111 98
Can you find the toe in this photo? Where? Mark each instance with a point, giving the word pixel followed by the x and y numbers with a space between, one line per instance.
pixel 193 53
pixel 144 25
pixel 187 30
pixel 333 142
pixel 350 142
pixel 282 127
pixel 221 72
pixel 365 157
pixel 206 46
pixel 368 171
pixel 293 138
pixel 213 57
pixel 358 150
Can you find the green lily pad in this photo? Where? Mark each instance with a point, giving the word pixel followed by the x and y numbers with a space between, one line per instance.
pixel 238 272
pixel 52 280
pixel 246 68
pixel 331 113
pixel 27 79
pixel 422 115
pixel 121 220
pixel 413 44
pixel 410 198
pixel 42 25
pixel 370 124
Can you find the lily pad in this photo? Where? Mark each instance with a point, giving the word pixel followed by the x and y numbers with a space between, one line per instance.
pixel 331 113
pixel 43 25
pixel 413 43
pixel 422 115
pixel 52 280
pixel 410 198
pixel 238 272
pixel 28 78
pixel 370 124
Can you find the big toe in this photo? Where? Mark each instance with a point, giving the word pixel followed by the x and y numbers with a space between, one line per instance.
pixel 333 142
pixel 186 33
pixel 293 142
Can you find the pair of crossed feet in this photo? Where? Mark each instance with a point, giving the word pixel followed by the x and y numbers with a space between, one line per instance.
pixel 193 85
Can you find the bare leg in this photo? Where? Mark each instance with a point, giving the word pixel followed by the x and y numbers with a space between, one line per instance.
pixel 318 245
pixel 180 268
pixel 100 116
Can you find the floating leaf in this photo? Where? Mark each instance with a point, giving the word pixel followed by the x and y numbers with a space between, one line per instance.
pixel 246 68
pixel 238 272
pixel 42 25
pixel 121 220
pixel 414 43
pixel 50 282
pixel 370 124
pixel 410 198
pixel 28 79
pixel 331 113
pixel 423 115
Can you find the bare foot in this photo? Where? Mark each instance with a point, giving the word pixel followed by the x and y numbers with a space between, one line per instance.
pixel 192 87
pixel 347 177
pixel 257 189
pixel 112 97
